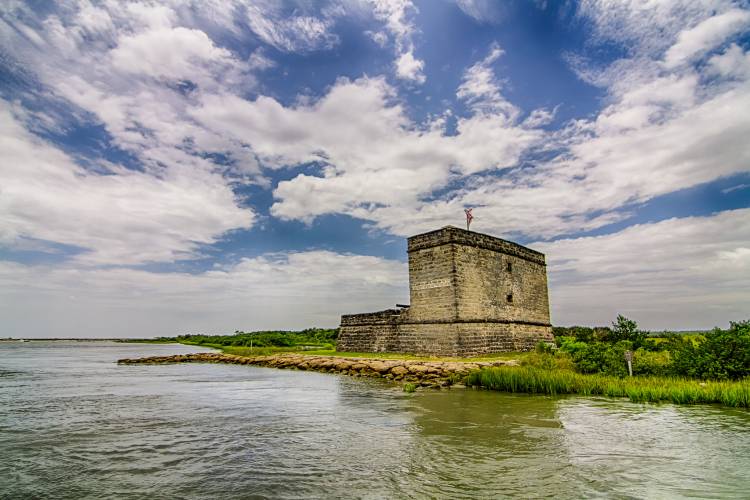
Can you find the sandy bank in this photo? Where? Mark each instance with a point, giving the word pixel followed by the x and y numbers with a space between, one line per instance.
pixel 423 373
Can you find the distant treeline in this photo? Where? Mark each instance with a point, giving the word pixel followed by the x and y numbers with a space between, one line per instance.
pixel 717 354
pixel 323 337
pixel 585 333
pixel 328 336
pixel 602 333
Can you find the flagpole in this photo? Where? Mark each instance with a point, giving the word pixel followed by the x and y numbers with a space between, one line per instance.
pixel 467 211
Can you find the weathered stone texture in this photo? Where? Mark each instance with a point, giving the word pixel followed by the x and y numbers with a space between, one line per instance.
pixel 470 294
pixel 494 286
pixel 432 283
pixel 370 332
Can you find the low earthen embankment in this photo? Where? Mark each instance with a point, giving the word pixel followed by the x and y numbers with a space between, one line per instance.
pixel 423 373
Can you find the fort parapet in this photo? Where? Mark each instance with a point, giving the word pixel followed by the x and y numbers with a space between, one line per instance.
pixel 471 294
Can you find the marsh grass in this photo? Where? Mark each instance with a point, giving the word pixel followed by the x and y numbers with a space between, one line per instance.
pixel 638 389
pixel 267 351
pixel 410 387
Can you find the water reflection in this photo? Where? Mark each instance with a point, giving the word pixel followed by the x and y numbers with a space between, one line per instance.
pixel 73 424
pixel 477 443
pixel 655 450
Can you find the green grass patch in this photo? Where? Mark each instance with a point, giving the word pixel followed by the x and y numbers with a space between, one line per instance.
pixel 526 379
pixel 501 356
pixel 147 341
pixel 268 351
pixel 212 346
pixel 261 351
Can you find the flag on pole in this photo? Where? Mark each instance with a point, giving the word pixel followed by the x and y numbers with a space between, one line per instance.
pixel 469 217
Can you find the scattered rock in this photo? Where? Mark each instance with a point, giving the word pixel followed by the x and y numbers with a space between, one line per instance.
pixel 399 371
pixel 418 369
pixel 342 365
pixel 379 367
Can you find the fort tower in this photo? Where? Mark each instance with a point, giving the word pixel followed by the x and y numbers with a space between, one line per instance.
pixel 471 294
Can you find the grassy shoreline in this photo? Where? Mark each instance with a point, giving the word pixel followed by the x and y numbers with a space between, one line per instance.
pixel 637 389
pixel 556 381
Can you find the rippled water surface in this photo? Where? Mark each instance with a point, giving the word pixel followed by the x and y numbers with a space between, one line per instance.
pixel 73 424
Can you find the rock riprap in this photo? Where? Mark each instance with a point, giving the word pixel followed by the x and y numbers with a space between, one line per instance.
pixel 423 373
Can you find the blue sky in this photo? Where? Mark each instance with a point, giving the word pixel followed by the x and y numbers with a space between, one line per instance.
pixel 179 167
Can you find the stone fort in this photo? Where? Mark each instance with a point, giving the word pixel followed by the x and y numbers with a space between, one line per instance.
pixel 471 294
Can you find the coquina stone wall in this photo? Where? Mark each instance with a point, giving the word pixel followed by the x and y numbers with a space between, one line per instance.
pixel 370 332
pixel 471 294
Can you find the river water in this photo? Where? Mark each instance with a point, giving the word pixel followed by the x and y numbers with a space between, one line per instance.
pixel 74 424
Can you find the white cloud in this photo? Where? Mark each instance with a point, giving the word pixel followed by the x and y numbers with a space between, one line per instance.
pixel 175 53
pixel 733 63
pixel 291 290
pixel 376 157
pixel 664 127
pixel 378 37
pixel 480 88
pixel 295 33
pixel 661 131
pixel 258 60
pixel 117 217
pixel 678 273
pixel 152 16
pixel 539 118
pixel 658 135
pixel 136 71
pixel 705 36
pixel 646 27
pixel 619 159
pixel 684 273
pixel 483 11
pixel 94 19
pixel 735 188
pixel 409 68
pixel 395 14
pixel 644 31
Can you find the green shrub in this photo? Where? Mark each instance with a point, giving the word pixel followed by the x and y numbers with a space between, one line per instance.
pixel 410 387
pixel 549 360
pixel 563 339
pixel 571 346
pixel 581 333
pixel 543 348
pixel 602 357
pixel 723 354
pixel 652 363
pixel 656 344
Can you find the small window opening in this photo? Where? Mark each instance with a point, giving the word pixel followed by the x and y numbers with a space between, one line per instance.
pixel 510 268
pixel 509 297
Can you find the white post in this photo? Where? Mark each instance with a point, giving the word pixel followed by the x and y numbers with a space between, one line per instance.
pixel 629 359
